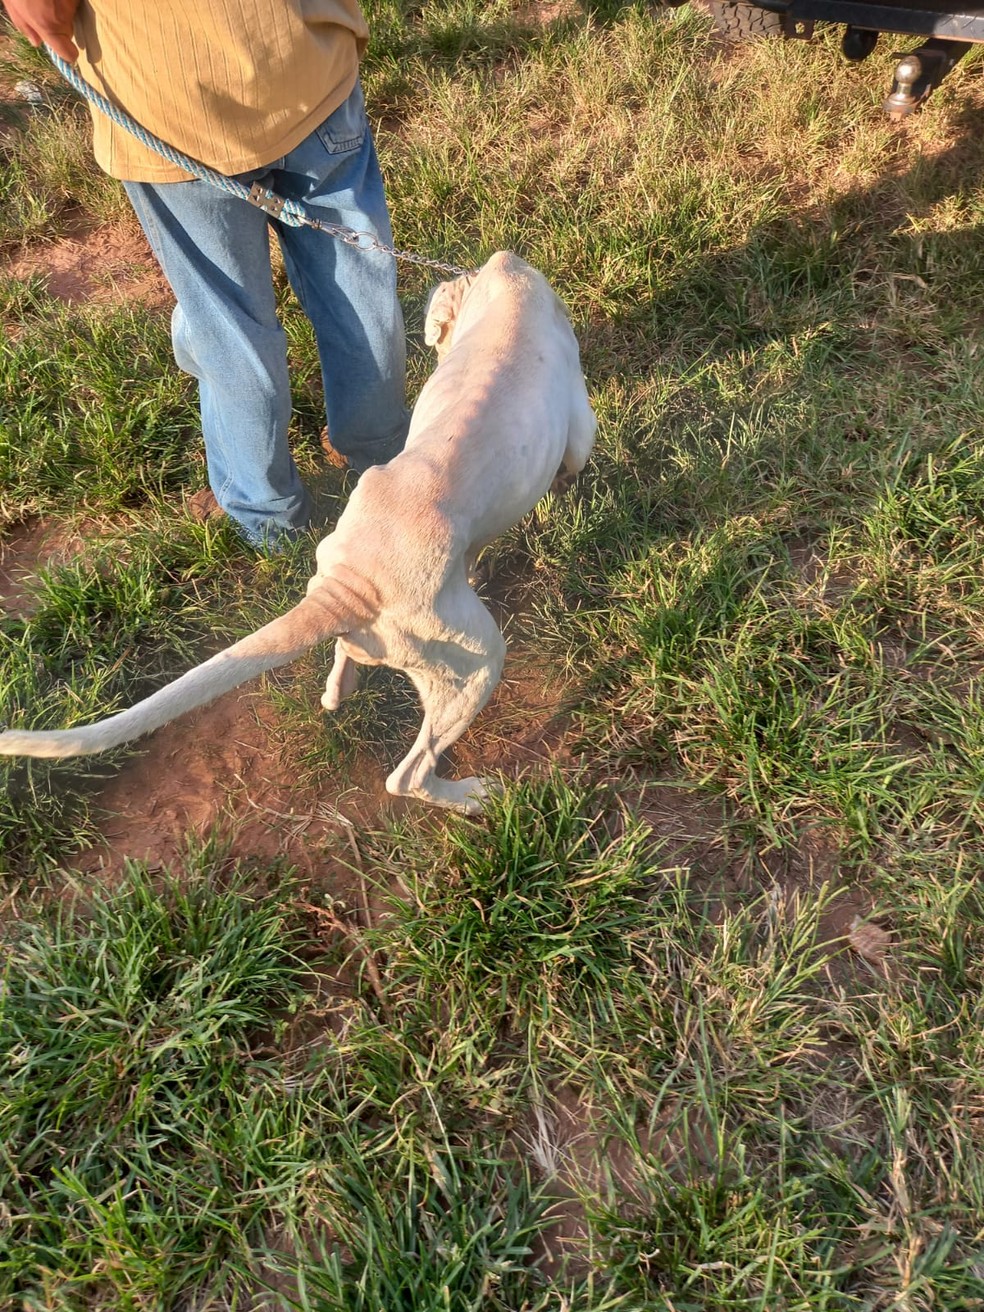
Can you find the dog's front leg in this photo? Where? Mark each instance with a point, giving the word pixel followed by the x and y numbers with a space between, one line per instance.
pixel 580 439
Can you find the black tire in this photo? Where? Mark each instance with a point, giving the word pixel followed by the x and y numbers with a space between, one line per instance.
pixel 739 22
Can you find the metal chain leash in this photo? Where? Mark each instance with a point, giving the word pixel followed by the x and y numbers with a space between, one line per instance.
pixel 291 212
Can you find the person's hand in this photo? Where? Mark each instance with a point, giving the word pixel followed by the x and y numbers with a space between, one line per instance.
pixel 46 22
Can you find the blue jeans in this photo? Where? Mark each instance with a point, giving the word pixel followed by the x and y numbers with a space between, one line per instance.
pixel 215 252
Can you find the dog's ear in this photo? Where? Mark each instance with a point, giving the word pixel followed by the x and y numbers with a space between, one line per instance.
pixel 442 310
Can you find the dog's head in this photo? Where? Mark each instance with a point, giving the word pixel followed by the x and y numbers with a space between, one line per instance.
pixel 442 311
pixel 502 271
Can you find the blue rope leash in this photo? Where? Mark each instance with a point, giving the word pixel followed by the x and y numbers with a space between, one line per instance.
pixel 291 212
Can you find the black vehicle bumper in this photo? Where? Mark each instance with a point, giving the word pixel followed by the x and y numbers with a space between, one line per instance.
pixel 921 18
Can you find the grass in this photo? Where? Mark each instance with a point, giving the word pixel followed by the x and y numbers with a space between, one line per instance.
pixel 127 1036
pixel 689 1021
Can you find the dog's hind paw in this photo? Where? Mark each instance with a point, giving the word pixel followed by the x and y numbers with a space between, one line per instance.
pixel 476 792
pixel 466 796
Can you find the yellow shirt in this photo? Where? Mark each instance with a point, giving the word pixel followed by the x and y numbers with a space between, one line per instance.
pixel 232 83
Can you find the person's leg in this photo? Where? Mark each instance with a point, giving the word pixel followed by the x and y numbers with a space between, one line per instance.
pixel 214 250
pixel 348 294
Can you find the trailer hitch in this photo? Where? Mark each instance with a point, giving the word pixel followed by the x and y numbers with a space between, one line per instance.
pixel 920 71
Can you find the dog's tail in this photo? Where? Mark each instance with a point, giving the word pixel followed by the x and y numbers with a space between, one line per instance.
pixel 331 609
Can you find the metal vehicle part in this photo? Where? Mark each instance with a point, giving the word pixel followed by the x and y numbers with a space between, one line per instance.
pixel 950 31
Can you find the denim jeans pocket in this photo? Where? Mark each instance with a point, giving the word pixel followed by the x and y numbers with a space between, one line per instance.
pixel 346 128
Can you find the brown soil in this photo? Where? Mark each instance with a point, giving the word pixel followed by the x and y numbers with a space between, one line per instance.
pixel 103 264
pixel 544 12
pixel 107 265
pixel 24 551
pixel 221 770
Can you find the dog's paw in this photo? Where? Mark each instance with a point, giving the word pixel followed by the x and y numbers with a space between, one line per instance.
pixel 465 796
pixel 476 792
pixel 472 794
pixel 563 483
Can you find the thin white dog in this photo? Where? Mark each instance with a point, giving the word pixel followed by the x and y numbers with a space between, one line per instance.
pixel 503 417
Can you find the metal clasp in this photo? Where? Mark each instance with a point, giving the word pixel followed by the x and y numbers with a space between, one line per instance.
pixel 265 199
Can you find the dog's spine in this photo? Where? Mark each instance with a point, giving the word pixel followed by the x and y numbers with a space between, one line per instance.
pixel 326 612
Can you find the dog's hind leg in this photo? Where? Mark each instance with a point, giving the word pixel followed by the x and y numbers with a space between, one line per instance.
pixel 343 679
pixel 454 681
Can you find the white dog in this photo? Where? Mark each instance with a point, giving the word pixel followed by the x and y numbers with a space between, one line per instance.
pixel 503 416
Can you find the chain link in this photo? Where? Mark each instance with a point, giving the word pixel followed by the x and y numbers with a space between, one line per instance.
pixel 368 241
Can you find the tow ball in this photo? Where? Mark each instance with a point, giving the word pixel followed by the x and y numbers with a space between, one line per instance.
pixel 919 72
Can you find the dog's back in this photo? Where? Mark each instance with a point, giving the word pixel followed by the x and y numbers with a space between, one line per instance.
pixel 491 426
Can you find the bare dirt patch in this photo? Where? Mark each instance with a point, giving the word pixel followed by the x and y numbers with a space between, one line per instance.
pixel 523 730
pixel 580 1154
pixel 10 127
pixel 691 829
pixel 221 770
pixel 108 265
pixel 545 12
pixel 27 549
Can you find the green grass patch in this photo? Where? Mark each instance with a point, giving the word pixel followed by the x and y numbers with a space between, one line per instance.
pixel 144 1137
